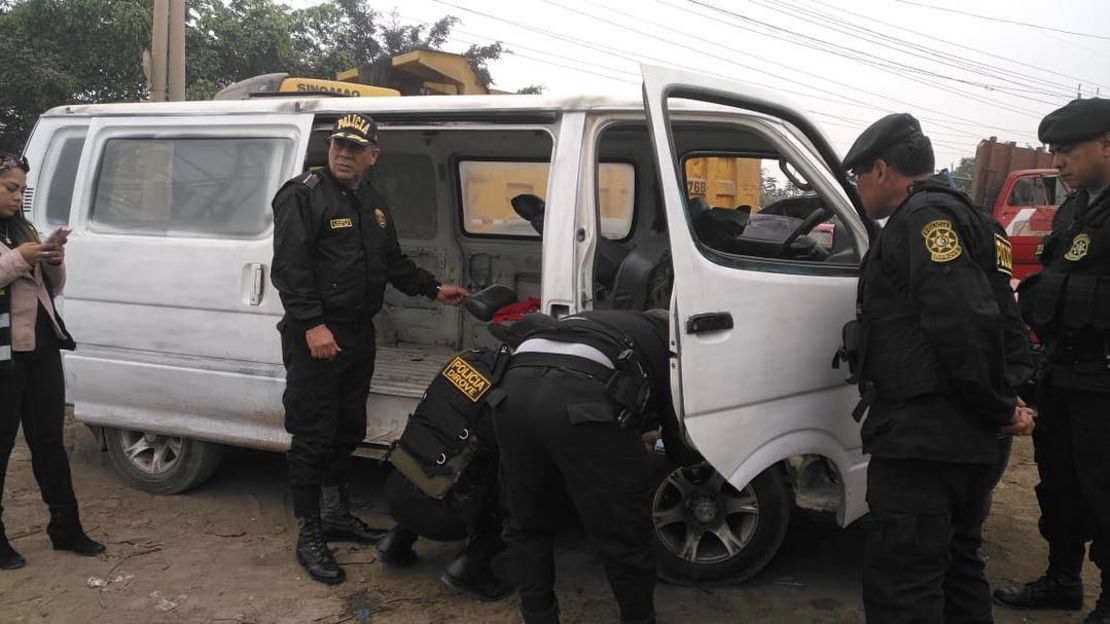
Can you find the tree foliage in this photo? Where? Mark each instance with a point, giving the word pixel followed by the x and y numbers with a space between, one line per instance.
pixel 79 51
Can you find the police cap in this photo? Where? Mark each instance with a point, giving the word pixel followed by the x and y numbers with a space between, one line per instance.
pixel 355 128
pixel 1075 122
pixel 889 130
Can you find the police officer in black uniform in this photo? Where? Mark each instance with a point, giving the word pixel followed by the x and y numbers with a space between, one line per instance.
pixel 335 247
pixel 943 348
pixel 579 396
pixel 1068 306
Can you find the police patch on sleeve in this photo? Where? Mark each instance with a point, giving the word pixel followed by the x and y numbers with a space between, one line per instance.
pixel 941 241
pixel 466 378
pixel 1080 245
pixel 380 216
pixel 338 224
pixel 1003 255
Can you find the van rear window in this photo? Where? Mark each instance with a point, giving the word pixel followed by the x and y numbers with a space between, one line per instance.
pixel 214 187
pixel 488 187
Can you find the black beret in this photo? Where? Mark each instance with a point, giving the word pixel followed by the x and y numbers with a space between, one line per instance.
pixel 1076 121
pixel 880 135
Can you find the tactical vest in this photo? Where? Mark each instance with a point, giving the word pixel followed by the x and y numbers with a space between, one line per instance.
pixel 894 359
pixel 628 384
pixel 441 439
pixel 1068 303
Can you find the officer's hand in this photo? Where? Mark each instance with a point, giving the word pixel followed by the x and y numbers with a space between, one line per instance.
pixel 1022 423
pixel 650 438
pixel 450 294
pixel 321 343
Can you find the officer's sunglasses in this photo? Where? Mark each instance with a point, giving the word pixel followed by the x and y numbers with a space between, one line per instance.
pixel 10 161
pixel 351 146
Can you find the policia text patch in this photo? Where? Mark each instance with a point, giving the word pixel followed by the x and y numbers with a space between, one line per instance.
pixel 1003 255
pixel 466 378
pixel 941 241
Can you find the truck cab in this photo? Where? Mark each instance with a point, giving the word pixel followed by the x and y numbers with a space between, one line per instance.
pixel 1025 206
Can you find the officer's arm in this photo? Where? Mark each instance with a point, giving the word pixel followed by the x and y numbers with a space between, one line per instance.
pixel 958 312
pixel 401 271
pixel 292 272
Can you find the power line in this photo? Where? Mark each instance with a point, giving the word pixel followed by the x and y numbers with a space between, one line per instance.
pixel 1002 20
pixel 932 37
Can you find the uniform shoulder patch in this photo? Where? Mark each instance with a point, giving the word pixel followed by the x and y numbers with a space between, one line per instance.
pixel 941 241
pixel 1003 255
pixel 1080 245
pixel 308 178
pixel 379 215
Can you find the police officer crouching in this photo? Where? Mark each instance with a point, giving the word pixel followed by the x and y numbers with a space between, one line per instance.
pixel 941 350
pixel 1068 306
pixel 335 247
pixel 579 394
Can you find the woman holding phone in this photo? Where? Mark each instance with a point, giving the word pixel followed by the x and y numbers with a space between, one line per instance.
pixel 32 386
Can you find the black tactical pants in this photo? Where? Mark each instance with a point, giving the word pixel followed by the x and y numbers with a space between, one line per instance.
pixel 557 432
pixel 33 392
pixel 1072 449
pixel 325 409
pixel 922 563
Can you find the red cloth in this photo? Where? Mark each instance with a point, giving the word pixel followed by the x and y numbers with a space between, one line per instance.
pixel 514 311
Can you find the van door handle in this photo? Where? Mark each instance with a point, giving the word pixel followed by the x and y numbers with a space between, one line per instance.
pixel 711 322
pixel 258 273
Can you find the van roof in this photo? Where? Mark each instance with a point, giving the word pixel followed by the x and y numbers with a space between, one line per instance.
pixel 479 104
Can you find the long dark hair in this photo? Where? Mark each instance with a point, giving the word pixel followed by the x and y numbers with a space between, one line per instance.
pixel 19 229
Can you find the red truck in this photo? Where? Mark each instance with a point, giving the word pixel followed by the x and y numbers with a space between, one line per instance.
pixel 1024 193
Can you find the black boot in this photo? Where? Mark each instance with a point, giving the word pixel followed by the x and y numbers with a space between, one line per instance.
pixel 340 525
pixel 470 572
pixel 66 533
pixel 395 548
pixel 313 553
pixel 1047 592
pixel 9 559
pixel 548 616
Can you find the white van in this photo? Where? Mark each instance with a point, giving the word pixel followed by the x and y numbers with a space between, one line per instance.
pixel 171 304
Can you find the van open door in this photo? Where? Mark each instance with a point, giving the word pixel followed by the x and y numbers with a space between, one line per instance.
pixel 760 292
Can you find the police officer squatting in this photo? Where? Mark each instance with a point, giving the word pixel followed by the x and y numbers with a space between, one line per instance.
pixel 939 350
pixel 335 248
pixel 1068 306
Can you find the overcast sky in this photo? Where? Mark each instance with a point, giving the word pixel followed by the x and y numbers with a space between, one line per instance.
pixel 960 67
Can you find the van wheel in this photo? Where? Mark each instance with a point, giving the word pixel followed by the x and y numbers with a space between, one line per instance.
pixel 705 529
pixel 161 464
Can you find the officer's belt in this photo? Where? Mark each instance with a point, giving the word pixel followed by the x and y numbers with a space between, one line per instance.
pixel 621 387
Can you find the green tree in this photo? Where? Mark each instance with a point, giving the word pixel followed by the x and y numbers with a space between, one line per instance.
pixel 964 173
pixel 80 51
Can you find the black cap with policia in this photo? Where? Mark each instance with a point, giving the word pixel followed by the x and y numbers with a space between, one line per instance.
pixel 1075 122
pixel 356 128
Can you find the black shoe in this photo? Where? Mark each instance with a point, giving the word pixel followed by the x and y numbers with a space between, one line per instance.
pixel 473 575
pixel 339 524
pixel 9 559
pixel 395 548
pixel 1047 592
pixel 66 533
pixel 1101 614
pixel 313 553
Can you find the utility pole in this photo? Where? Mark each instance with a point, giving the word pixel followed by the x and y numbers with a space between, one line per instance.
pixel 158 47
pixel 176 66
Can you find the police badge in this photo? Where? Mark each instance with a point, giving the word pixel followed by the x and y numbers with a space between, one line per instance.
pixel 380 216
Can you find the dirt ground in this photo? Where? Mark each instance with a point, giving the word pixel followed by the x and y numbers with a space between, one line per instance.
pixel 222 554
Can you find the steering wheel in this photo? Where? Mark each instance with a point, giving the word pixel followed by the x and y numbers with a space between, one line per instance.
pixel 807 224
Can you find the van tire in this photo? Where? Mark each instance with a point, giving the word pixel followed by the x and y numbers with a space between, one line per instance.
pixel 697 500
pixel 161 464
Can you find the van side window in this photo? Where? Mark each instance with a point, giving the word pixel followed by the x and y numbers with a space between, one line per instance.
pixel 759 206
pixel 214 187
pixel 488 188
pixel 59 176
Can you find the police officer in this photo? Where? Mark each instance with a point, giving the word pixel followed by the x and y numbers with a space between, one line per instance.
pixel 1068 306
pixel 579 395
pixel 335 247
pixel 943 348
